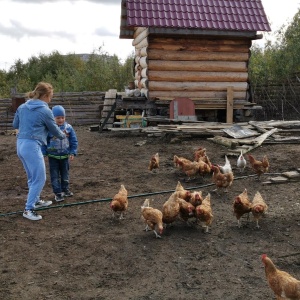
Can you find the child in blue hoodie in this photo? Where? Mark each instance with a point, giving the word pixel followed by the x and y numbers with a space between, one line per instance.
pixel 59 153
pixel 34 120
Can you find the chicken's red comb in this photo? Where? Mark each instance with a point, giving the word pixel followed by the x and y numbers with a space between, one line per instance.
pixel 263 256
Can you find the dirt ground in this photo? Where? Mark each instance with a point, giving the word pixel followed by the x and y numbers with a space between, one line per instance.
pixel 78 251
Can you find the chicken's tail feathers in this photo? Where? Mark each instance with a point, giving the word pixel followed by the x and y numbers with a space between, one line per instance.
pixel 207 198
pixel 179 186
pixel 146 203
pixel 265 159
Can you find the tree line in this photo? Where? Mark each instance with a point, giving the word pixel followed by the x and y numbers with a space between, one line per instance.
pixel 97 71
pixel 275 63
pixel 279 60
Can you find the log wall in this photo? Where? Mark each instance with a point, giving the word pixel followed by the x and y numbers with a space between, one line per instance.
pixel 201 69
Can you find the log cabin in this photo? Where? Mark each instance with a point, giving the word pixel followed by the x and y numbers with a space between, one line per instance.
pixel 197 50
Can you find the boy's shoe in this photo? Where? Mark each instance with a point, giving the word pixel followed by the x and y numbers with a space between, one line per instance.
pixel 42 203
pixel 68 194
pixel 59 197
pixel 31 215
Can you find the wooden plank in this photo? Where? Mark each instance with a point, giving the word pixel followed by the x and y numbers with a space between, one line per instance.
pixel 195 76
pixel 279 124
pixel 199 47
pixel 196 86
pixel 199 41
pixel 291 175
pixel 196 56
pixel 197 95
pixel 235 150
pixel 229 105
pixel 211 66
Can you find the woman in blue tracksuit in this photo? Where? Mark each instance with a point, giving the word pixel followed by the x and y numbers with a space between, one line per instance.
pixel 34 119
pixel 59 153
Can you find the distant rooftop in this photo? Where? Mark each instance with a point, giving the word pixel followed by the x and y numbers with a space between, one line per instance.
pixel 233 15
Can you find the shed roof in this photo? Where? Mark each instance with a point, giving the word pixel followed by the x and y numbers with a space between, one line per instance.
pixel 232 15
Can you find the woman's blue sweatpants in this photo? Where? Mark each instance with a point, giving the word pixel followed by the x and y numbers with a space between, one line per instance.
pixel 30 153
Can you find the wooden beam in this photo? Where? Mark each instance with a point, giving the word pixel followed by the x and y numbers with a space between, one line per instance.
pixel 229 108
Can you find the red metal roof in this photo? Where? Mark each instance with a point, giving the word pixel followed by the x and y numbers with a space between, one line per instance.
pixel 234 15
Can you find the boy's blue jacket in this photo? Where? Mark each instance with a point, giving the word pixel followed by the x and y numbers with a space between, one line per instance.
pixel 61 149
pixel 37 120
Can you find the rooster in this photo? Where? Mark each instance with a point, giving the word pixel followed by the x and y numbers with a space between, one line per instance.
pixel 119 202
pixel 241 206
pixel 284 285
pixel 241 162
pixel 259 207
pixel 259 167
pixel 153 218
pixel 203 212
pixel 222 180
pixel 154 162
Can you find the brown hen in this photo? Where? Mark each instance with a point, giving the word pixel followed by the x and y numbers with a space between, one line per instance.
pixel 241 206
pixel 171 208
pixel 284 285
pixel 222 180
pixel 203 212
pixel 259 207
pixel 119 202
pixel 153 218
pixel 259 166
pixel 154 162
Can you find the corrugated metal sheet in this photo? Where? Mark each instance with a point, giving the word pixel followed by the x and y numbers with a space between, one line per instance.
pixel 233 15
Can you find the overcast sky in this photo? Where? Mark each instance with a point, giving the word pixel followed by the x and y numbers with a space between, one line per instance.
pixel 32 27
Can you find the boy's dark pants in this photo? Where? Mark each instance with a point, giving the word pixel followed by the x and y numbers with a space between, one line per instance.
pixel 59 174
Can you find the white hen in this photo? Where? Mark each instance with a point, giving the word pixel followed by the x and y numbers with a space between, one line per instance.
pixel 241 162
pixel 227 167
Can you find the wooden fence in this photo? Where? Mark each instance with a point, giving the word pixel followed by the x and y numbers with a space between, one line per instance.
pixel 279 102
pixel 82 108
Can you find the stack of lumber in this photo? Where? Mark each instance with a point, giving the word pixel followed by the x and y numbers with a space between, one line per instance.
pixel 264 132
